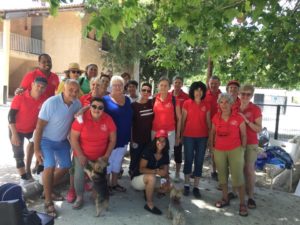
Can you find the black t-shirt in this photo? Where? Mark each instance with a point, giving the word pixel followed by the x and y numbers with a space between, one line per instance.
pixel 142 122
pixel 149 155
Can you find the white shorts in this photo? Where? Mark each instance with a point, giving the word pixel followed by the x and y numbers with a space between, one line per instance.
pixel 171 138
pixel 138 182
pixel 115 160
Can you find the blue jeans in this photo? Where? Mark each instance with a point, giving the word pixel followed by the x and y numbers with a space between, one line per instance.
pixel 194 150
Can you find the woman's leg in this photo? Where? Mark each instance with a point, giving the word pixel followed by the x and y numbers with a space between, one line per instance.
pixel 78 180
pixel 149 180
pixel 188 162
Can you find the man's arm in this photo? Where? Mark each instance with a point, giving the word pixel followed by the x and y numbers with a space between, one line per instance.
pixel 15 139
pixel 37 139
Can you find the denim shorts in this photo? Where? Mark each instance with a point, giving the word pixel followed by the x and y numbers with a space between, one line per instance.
pixel 56 153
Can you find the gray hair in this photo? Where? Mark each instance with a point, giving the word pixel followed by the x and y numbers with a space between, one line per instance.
pixel 71 81
pixel 225 96
pixel 116 78
pixel 95 80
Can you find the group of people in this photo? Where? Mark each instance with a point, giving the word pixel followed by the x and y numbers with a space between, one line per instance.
pixel 101 116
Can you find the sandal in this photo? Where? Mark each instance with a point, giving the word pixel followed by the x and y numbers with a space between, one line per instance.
pixel 118 188
pixel 50 210
pixel 232 195
pixel 251 203
pixel 222 203
pixel 77 204
pixel 243 210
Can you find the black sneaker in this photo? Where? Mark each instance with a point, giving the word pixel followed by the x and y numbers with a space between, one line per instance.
pixel 196 193
pixel 214 176
pixel 154 210
pixel 186 191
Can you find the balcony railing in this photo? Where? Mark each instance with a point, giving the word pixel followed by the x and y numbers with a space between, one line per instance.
pixel 24 44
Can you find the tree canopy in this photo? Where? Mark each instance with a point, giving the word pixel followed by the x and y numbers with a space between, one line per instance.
pixel 254 41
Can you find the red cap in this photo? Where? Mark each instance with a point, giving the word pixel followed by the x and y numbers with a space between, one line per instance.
pixel 161 133
pixel 234 82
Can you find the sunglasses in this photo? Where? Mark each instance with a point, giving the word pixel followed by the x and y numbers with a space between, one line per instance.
pixel 246 94
pixel 75 71
pixel 145 90
pixel 100 107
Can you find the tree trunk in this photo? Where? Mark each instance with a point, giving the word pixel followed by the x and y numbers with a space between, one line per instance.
pixel 210 68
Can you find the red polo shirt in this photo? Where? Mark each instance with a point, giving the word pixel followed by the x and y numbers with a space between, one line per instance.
pixel 164 115
pixel 235 108
pixel 227 135
pixel 86 99
pixel 212 99
pixel 252 112
pixel 94 135
pixel 28 110
pixel 181 97
pixel 195 124
pixel 52 80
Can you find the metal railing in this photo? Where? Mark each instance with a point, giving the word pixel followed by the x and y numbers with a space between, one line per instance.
pixel 282 121
pixel 24 44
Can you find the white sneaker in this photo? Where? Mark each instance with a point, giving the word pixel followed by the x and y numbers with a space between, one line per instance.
pixel 25 182
pixel 176 178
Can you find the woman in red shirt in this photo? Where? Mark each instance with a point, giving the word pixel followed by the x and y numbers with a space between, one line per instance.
pixel 228 139
pixel 92 138
pixel 166 110
pixel 253 119
pixel 196 124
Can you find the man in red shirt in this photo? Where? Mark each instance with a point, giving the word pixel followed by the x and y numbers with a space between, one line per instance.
pixel 211 97
pixel 22 119
pixel 180 96
pixel 232 88
pixel 44 70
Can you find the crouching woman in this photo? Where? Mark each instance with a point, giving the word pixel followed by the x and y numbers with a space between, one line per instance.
pixel 154 162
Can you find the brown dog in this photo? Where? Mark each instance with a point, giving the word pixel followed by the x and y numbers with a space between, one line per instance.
pixel 175 210
pixel 96 170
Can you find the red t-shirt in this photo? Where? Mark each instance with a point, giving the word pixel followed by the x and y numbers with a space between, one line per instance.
pixel 94 135
pixel 164 114
pixel 52 80
pixel 196 124
pixel 86 99
pixel 252 112
pixel 181 97
pixel 235 108
pixel 212 100
pixel 28 110
pixel 227 136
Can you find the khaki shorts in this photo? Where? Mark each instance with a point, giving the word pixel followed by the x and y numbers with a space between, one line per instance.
pixel 138 182
pixel 251 154
pixel 232 160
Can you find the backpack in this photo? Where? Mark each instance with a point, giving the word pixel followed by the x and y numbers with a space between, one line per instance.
pixel 281 155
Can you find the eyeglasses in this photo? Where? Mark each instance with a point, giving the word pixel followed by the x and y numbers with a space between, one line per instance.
pixel 246 94
pixel 100 107
pixel 75 71
pixel 145 90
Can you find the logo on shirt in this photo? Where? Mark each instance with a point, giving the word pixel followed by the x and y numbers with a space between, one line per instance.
pixel 203 108
pixel 168 105
pixel 234 123
pixel 103 127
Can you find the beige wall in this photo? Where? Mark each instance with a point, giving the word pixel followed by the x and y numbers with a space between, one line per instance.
pixel 62 36
pixel 18 68
pixel 19 26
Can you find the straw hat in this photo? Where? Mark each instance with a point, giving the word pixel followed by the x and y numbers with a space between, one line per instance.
pixel 74 66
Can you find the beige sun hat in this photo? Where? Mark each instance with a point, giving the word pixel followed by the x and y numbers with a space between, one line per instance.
pixel 74 66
